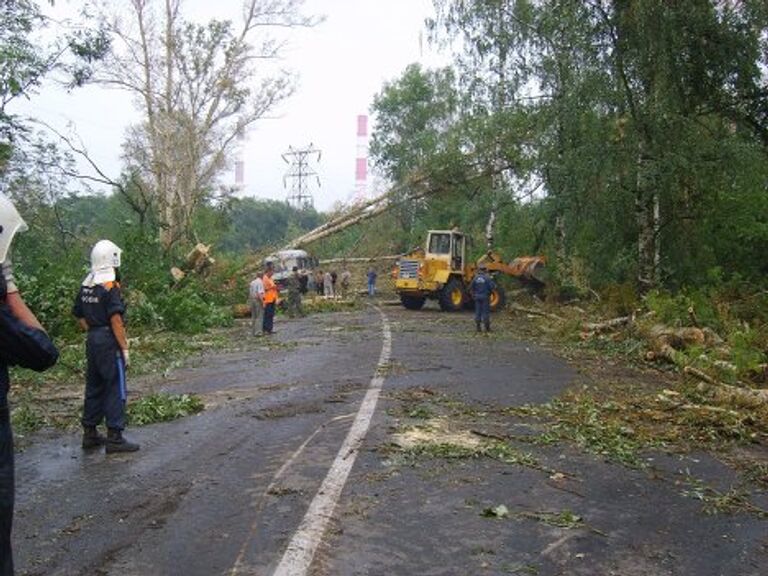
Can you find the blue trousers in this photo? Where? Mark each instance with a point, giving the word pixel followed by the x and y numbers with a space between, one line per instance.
pixel 269 318
pixel 6 492
pixel 105 391
pixel 483 310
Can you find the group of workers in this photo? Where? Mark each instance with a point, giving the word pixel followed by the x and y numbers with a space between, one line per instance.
pixel 99 309
pixel 326 283
pixel 264 293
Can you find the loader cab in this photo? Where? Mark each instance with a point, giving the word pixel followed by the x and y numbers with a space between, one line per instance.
pixel 447 246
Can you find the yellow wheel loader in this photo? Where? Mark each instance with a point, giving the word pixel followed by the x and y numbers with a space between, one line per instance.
pixel 440 271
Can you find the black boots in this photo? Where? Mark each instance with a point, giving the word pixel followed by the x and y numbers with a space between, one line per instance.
pixel 487 326
pixel 116 442
pixel 478 327
pixel 92 438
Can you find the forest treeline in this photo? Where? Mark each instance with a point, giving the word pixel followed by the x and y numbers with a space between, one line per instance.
pixel 628 141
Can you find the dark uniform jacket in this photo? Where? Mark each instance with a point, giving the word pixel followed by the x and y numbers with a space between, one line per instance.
pixel 482 286
pixel 22 346
pixel 28 347
pixel 98 303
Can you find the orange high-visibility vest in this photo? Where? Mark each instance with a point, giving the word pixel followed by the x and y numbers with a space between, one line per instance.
pixel 270 290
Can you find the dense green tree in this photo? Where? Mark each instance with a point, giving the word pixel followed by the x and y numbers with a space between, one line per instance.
pixel 413 115
pixel 253 224
pixel 642 122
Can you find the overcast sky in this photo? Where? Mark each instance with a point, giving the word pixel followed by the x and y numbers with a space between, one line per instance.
pixel 341 64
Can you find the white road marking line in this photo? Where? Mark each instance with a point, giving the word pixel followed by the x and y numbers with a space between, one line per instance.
pixel 556 544
pixel 301 549
pixel 238 566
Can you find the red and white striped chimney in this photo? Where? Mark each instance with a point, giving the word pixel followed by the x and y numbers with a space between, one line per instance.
pixel 361 163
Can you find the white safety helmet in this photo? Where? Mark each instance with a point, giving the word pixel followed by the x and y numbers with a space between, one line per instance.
pixel 10 223
pixel 105 257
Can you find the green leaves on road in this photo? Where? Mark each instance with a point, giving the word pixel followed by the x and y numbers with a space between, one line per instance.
pixel 162 407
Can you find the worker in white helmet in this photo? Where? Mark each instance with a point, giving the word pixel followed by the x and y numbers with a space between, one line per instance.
pixel 99 308
pixel 23 342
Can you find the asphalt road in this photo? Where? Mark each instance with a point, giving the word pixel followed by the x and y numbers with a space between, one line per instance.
pixel 298 466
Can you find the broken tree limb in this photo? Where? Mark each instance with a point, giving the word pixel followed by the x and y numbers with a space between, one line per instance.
pixel 667 343
pixel 198 258
pixel 597 327
pixel 727 393
pixel 364 211
pixel 664 352
pixel 693 317
pixel 535 312
pixel 364 259
pixel 699 374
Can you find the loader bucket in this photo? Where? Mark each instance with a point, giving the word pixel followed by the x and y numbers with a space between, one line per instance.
pixel 529 268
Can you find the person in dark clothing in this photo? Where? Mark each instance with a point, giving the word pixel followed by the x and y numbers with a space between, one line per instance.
pixel 23 342
pixel 481 287
pixel 99 309
pixel 371 281
pixel 294 294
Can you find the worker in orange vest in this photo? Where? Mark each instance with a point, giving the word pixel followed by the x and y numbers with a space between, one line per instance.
pixel 270 300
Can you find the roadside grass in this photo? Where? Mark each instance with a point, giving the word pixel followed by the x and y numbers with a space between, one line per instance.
pixel 754 472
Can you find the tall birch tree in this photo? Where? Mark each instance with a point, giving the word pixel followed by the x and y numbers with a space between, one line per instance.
pixel 198 87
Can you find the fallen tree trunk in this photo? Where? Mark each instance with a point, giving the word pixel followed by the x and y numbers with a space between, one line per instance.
pixel 535 312
pixel 597 327
pixel 726 393
pixel 241 310
pixel 371 259
pixel 664 352
pixel 361 213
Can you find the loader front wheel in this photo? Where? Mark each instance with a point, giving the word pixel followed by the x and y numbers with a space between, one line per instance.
pixel 498 299
pixel 452 296
pixel 412 302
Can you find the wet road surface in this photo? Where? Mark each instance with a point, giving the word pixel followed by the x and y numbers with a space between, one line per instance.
pixel 237 488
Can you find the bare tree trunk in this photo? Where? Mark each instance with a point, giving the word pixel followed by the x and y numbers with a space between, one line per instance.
pixel 199 86
pixel 489 230
pixel 563 262
pixel 647 212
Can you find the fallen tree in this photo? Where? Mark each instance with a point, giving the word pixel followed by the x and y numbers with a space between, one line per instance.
pixel 726 393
